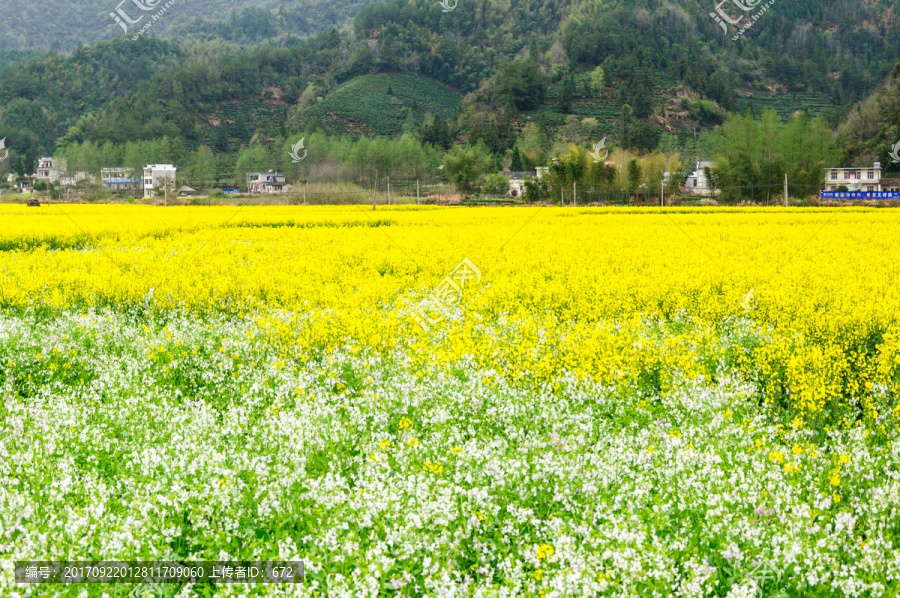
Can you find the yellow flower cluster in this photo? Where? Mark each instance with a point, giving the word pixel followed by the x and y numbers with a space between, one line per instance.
pixel 620 296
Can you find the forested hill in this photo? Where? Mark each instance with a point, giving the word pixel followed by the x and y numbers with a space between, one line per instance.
pixel 62 24
pixel 665 67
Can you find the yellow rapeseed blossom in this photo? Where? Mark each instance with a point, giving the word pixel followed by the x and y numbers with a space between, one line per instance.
pixel 435 468
pixel 545 551
pixel 349 278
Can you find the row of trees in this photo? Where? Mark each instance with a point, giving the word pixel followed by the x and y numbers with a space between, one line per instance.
pixel 471 168
pixel 754 155
pixel 324 159
pixel 751 156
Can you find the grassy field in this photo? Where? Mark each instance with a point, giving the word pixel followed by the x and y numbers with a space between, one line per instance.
pixel 445 402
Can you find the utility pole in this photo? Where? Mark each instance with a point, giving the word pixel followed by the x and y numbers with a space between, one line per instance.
pixel 575 194
pixel 662 186
pixel 304 191
pixel 785 190
pixel 417 191
pixel 374 193
pixel 389 191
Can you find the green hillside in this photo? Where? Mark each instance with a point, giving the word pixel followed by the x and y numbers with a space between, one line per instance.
pixel 606 105
pixel 872 131
pixel 380 105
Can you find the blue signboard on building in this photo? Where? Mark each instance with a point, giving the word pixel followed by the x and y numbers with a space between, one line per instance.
pixel 860 195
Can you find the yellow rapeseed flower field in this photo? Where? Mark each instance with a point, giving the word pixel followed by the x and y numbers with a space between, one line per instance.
pixel 800 301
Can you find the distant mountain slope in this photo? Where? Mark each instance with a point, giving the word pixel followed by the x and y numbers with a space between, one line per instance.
pixel 669 67
pixel 62 24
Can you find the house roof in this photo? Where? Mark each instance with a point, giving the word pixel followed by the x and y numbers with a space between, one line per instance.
pixel 878 167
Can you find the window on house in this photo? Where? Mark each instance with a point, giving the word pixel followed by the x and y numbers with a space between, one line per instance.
pixel 871 187
pixel 834 176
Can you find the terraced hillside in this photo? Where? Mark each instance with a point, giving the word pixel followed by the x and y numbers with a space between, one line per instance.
pixel 815 104
pixel 380 104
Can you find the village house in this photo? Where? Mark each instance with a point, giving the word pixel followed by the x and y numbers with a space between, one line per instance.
pixel 517 180
pixel 50 169
pixel 854 179
pixel 697 183
pixel 159 176
pixel 119 179
pixel 73 180
pixel 267 182
pixel 890 184
pixel 24 184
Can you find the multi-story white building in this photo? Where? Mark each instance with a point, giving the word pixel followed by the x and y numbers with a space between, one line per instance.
pixel 854 179
pixel 50 169
pixel 266 182
pixel 119 179
pixel 158 176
